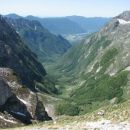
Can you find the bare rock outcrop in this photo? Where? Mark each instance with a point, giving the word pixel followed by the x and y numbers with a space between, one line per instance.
pixel 18 102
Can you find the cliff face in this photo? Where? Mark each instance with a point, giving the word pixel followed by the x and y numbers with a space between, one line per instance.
pixel 15 55
pixel 19 71
pixel 17 103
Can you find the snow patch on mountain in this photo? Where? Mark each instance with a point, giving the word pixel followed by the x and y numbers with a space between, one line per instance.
pixel 121 21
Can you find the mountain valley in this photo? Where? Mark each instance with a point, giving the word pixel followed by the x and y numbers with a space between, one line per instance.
pixel 69 84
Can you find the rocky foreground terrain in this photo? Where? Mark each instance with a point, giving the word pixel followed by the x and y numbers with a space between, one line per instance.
pixel 112 117
pixel 101 125
pixel 97 125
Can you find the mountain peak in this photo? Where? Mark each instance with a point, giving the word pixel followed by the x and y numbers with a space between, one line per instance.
pixel 13 16
pixel 125 16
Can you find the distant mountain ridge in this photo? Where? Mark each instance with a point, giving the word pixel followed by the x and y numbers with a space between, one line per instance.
pixel 70 24
pixel 13 16
pixel 60 25
pixel 39 40
pixel 89 24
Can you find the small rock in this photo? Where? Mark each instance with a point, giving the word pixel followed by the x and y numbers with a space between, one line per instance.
pixel 101 113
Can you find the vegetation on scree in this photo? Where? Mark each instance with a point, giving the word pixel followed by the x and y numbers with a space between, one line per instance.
pixel 109 55
pixel 106 87
pixel 100 86
pixel 103 42
pixel 67 108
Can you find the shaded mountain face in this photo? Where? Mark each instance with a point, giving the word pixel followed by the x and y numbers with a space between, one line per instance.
pixel 99 67
pixel 16 55
pixel 39 39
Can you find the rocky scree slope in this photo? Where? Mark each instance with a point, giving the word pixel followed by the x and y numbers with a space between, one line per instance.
pixel 45 44
pixel 98 68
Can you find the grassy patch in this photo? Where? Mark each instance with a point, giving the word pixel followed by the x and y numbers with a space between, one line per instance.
pixel 108 56
pixel 100 89
pixel 67 108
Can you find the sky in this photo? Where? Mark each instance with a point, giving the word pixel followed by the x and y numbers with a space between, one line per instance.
pixel 58 8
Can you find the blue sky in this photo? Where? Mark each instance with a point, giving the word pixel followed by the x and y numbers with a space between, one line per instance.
pixel 53 8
